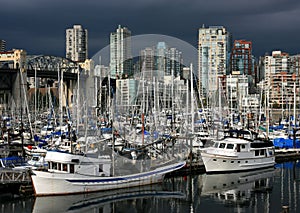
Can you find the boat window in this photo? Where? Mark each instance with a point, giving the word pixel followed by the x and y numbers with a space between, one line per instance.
pixel 238 147
pixel 65 167
pixel 100 168
pixel 262 152
pixel 243 146
pixel 71 168
pixel 256 152
pixel 222 145
pixel 59 166
pixel 229 146
pixel 54 166
pixel 216 145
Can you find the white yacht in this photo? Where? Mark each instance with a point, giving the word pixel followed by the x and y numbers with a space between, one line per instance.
pixel 239 150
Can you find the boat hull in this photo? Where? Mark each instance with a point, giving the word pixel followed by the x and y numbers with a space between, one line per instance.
pixel 50 183
pixel 218 164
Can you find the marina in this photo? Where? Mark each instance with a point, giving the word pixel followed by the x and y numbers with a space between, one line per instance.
pixel 266 190
pixel 150 124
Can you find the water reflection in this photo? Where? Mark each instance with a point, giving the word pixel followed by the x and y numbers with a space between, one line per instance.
pixel 257 191
pixel 127 200
pixel 238 190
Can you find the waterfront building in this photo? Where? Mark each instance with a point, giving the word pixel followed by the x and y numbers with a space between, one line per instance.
pixel 173 62
pixel 214 44
pixel 237 89
pixel 281 80
pixel 120 53
pixel 147 63
pixel 77 43
pixel 160 61
pixel 126 94
pixel 295 64
pixel 160 56
pixel 2 45
pixel 241 62
pixel 14 59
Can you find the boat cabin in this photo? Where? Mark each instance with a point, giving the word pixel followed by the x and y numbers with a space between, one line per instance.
pixel 62 162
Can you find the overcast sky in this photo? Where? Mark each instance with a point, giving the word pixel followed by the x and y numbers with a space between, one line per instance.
pixel 38 26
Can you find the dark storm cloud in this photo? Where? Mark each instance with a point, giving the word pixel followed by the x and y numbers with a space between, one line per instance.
pixel 39 26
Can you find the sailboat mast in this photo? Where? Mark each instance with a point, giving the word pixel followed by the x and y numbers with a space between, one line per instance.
pixel 294 121
pixel 192 97
pixel 35 92
pixel 61 100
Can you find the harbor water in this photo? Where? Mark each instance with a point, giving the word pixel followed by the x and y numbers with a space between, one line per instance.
pixel 269 190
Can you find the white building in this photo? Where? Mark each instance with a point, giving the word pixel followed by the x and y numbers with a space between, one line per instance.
pixel 126 93
pixel 120 53
pixel 237 89
pixel 77 43
pixel 213 47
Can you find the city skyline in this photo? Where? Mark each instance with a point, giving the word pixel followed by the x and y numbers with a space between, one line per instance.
pixel 39 27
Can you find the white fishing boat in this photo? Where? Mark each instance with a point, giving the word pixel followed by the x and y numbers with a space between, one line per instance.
pixel 70 173
pixel 239 150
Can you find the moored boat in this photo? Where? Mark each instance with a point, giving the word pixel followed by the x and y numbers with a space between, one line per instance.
pixel 239 150
pixel 70 173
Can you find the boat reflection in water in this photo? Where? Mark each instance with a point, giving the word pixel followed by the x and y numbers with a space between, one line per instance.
pixel 238 189
pixel 128 200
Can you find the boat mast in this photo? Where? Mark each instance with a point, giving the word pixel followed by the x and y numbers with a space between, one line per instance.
pixel 21 115
pixel 267 111
pixel 61 102
pixel 35 94
pixel 294 121
pixel 192 97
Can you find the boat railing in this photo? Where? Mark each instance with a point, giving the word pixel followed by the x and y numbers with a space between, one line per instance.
pixel 239 133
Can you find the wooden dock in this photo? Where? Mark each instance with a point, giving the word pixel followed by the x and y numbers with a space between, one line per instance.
pixel 284 155
pixel 15 181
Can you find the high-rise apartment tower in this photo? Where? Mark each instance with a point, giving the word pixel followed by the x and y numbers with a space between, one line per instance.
pixel 213 47
pixel 77 43
pixel 120 53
